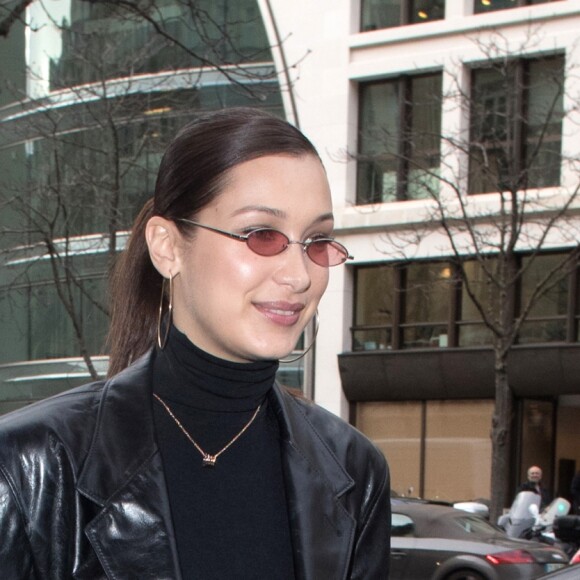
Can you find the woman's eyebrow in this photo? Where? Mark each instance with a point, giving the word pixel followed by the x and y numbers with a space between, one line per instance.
pixel 277 212
pixel 260 208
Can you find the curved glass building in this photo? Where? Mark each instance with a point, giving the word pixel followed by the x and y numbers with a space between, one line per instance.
pixel 90 94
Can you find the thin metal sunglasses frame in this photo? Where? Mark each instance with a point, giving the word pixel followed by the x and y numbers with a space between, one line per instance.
pixel 305 245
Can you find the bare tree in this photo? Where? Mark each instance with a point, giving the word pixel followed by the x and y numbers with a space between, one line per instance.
pixel 499 192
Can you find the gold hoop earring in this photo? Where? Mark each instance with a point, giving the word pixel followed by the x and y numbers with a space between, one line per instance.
pixel 305 352
pixel 162 343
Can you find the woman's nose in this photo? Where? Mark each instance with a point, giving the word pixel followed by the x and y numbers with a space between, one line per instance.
pixel 294 268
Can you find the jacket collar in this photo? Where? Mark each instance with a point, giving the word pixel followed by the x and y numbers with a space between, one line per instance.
pixel 322 528
pixel 133 530
pixel 115 476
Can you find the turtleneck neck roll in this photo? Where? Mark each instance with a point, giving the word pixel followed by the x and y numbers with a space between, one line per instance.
pixel 187 375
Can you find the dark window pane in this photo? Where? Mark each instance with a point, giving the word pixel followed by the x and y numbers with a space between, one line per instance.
pixel 544 122
pixel 480 281
pixel 427 292
pixel 375 288
pixel 543 270
pixel 376 14
pixel 399 138
pixel 427 10
pixel 516 125
pixel 482 6
pixel 378 142
pixel 424 137
pixel 546 321
pixel 426 300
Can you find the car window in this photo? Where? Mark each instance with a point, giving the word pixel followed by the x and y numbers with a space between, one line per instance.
pixel 401 525
pixel 475 525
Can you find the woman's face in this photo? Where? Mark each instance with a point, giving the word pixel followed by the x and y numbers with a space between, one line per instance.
pixel 236 304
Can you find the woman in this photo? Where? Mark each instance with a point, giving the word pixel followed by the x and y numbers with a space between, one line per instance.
pixel 190 461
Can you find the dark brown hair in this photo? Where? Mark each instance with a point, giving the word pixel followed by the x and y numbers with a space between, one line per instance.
pixel 191 175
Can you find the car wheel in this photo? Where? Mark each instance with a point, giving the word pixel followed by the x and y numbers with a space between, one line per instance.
pixel 465 575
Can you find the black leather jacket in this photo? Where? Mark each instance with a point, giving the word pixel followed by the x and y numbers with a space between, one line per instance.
pixel 83 495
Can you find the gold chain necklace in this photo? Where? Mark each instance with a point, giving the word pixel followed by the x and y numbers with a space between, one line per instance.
pixel 208 459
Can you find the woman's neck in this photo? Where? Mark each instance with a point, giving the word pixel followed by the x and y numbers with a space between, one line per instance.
pixel 185 374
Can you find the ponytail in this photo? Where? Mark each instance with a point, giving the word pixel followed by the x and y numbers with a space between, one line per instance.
pixel 135 290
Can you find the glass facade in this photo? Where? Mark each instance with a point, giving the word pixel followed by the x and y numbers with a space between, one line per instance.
pixel 399 135
pixel 90 96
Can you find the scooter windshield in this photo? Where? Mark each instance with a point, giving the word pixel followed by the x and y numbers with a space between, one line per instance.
pixel 520 509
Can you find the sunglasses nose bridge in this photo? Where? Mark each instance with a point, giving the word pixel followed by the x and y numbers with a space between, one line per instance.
pixel 303 244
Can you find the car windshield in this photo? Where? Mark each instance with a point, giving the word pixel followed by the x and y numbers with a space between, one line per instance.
pixel 475 525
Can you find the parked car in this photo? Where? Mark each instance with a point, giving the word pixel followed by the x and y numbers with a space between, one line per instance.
pixel 436 542
pixel 567 573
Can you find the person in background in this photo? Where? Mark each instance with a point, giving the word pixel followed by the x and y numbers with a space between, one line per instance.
pixel 190 461
pixel 534 483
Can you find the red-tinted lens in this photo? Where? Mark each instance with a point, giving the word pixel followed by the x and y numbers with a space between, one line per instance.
pixel 327 253
pixel 267 242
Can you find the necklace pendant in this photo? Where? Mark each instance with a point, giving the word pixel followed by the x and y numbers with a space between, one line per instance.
pixel 209 460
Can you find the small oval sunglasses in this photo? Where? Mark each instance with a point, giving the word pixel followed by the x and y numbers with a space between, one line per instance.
pixel 270 242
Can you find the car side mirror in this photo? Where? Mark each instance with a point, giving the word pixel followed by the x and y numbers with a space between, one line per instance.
pixel 402 525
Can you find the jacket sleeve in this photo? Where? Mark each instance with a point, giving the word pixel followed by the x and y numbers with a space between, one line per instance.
pixel 15 555
pixel 372 548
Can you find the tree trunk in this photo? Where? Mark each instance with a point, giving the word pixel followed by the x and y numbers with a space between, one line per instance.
pixel 501 435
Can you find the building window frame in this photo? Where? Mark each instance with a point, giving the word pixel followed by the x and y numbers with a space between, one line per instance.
pixel 502 126
pixel 398 144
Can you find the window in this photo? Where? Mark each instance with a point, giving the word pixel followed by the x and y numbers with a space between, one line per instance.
pixel 427 305
pixel 377 14
pixel 399 135
pixel 482 6
pixel 516 125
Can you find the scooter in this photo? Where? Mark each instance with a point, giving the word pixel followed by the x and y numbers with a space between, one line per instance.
pixel 524 519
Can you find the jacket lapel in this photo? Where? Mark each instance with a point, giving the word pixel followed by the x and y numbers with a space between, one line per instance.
pixel 322 529
pixel 132 533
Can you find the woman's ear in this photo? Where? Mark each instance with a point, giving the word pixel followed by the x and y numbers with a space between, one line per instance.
pixel 162 238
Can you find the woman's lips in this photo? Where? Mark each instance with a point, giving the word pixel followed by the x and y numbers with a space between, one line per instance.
pixel 283 313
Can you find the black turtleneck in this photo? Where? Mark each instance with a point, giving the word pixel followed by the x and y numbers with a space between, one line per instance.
pixel 230 521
